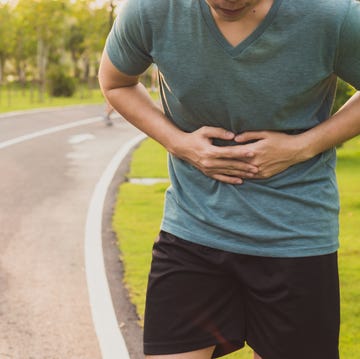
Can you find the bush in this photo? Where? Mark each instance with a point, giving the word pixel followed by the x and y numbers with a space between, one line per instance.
pixel 343 93
pixel 60 84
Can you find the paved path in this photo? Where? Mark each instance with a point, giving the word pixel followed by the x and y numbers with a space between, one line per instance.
pixel 47 183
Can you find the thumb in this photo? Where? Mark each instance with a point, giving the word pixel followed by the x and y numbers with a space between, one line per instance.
pixel 217 132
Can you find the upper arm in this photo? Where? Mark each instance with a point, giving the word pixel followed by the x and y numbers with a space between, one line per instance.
pixel 127 50
pixel 348 60
pixel 110 77
pixel 129 43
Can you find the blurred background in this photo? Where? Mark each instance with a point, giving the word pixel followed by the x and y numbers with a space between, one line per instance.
pixel 50 51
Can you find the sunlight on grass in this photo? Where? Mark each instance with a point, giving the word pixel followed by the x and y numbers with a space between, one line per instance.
pixel 349 184
pixel 150 163
pixel 16 99
pixel 138 214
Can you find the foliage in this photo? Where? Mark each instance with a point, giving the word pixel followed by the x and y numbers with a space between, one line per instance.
pixel 59 83
pixel 5 35
pixel 138 214
pixel 14 97
pixel 343 93
pixel 35 35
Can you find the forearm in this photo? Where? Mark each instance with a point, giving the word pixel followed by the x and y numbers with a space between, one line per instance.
pixel 342 126
pixel 137 107
pixel 130 98
pixel 273 152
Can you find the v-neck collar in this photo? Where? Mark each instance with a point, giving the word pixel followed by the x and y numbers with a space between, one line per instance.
pixel 236 50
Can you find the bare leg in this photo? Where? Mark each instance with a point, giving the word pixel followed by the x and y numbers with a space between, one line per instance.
pixel 197 354
pixel 256 356
pixel 109 109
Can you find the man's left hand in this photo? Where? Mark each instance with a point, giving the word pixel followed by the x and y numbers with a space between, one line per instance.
pixel 273 152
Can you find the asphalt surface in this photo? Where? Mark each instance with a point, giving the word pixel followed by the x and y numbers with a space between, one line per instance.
pixel 45 189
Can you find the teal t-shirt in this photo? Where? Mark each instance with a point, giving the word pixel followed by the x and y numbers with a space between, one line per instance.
pixel 283 78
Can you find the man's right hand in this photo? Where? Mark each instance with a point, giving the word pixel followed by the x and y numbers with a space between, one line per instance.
pixel 227 164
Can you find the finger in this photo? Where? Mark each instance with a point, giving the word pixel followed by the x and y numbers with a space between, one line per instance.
pixel 217 132
pixel 230 173
pixel 229 179
pixel 231 167
pixel 239 153
pixel 249 136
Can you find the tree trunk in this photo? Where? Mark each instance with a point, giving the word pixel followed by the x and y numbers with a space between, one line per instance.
pixel 111 14
pixel 86 69
pixel 1 70
pixel 20 69
pixel 42 54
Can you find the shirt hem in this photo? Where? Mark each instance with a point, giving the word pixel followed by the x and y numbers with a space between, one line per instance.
pixel 290 252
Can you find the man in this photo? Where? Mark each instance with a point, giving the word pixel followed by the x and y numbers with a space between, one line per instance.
pixel 248 245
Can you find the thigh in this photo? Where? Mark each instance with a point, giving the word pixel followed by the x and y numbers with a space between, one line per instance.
pixel 191 302
pixel 293 307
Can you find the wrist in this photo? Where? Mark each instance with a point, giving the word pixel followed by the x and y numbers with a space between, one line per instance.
pixel 173 141
pixel 306 145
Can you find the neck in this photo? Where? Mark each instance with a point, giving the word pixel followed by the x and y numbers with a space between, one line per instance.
pixel 254 12
pixel 238 30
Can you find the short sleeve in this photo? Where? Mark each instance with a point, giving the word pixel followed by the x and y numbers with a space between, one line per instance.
pixel 347 64
pixel 128 44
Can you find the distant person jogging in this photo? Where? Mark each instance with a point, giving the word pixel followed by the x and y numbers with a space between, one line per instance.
pixel 248 245
pixel 107 114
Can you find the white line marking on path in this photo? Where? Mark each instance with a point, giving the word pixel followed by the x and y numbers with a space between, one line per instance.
pixel 49 131
pixel 76 139
pixel 111 341
pixel 39 110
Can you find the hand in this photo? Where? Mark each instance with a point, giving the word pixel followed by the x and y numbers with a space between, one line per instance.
pixel 229 164
pixel 273 152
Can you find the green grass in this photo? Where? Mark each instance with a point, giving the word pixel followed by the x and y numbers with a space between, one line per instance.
pixel 149 161
pixel 349 182
pixel 15 99
pixel 138 214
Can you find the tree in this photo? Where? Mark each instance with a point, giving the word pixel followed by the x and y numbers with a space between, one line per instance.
pixel 75 44
pixel 39 37
pixel 92 27
pixel 45 22
pixel 5 36
pixel 23 51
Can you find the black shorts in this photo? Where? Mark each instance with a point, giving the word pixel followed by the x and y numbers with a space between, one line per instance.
pixel 197 297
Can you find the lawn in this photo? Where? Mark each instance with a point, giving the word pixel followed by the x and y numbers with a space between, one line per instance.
pixel 15 98
pixel 138 213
